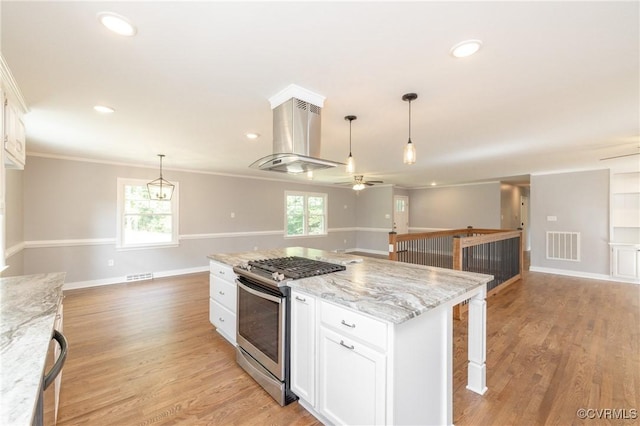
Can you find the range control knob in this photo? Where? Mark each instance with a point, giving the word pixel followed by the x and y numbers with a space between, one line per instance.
pixel 277 276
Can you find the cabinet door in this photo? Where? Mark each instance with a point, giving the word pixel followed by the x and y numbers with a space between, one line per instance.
pixel 626 262
pixel 303 346
pixel 352 381
pixel 224 320
pixel 14 135
pixel 224 292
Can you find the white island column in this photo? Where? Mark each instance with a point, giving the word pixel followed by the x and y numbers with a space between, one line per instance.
pixel 477 345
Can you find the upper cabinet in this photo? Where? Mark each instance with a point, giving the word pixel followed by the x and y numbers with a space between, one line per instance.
pixel 625 207
pixel 13 111
pixel 625 226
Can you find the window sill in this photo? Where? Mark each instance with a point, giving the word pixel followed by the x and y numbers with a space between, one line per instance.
pixel 147 246
pixel 305 236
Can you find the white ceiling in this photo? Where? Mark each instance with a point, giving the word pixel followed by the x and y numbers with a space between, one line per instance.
pixel 555 87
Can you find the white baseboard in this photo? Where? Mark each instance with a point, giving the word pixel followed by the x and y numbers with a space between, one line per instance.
pixel 123 279
pixel 578 274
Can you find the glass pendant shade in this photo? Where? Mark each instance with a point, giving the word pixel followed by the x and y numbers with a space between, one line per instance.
pixel 409 149
pixel 409 153
pixel 358 187
pixel 351 164
pixel 160 189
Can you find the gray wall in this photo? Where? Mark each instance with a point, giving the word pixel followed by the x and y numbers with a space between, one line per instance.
pixel 68 200
pixel 580 201
pixel 375 218
pixel 14 212
pixel 456 206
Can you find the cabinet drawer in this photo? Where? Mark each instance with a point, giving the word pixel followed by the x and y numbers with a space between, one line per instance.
pixel 354 324
pixel 223 292
pixel 222 271
pixel 223 319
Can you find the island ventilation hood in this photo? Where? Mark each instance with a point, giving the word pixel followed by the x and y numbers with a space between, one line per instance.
pixel 296 133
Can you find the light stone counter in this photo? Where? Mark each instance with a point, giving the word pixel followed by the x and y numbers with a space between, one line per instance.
pixel 28 306
pixel 388 290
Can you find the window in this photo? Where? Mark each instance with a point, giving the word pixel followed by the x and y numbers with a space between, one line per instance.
pixel 305 214
pixel 143 222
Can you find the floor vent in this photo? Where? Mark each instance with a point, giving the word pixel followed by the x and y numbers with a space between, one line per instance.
pixel 139 277
pixel 563 246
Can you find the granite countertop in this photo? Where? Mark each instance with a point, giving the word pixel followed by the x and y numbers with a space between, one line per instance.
pixel 388 290
pixel 28 306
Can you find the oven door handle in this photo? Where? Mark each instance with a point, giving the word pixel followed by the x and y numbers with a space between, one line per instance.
pixel 259 293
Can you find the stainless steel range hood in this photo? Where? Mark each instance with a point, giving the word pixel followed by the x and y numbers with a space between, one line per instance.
pixel 296 139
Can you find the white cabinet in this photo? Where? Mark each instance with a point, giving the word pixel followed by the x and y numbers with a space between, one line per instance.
pixel 361 370
pixel 13 110
pixel 338 362
pixel 223 293
pixel 626 261
pixel 625 226
pixel 303 346
pixel 352 380
pixel 14 135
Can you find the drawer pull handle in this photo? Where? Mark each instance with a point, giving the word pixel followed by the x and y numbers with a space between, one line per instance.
pixel 302 299
pixel 221 319
pixel 348 325
pixel 346 346
pixel 221 293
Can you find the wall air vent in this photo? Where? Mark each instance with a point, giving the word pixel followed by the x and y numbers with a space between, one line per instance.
pixel 139 277
pixel 563 246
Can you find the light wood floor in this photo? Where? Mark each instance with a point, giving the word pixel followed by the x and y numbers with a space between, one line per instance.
pixel 145 354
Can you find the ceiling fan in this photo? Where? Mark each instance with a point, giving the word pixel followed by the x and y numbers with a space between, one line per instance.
pixel 359 183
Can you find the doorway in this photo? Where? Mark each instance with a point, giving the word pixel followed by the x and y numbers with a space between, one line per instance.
pixel 524 221
pixel 401 214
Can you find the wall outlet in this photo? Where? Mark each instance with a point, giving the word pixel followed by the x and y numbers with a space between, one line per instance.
pixel 387 216
pixel 552 218
pixel 110 262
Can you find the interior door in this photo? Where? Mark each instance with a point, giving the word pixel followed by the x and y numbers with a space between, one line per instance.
pixel 401 214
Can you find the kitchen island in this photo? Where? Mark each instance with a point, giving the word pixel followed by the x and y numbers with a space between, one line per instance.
pixel 373 343
pixel 28 308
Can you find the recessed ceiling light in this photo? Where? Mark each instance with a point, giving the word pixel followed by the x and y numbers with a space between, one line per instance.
pixel 104 109
pixel 466 48
pixel 116 23
pixel 433 184
pixel 252 135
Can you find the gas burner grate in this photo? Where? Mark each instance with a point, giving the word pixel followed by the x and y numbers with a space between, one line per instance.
pixel 296 267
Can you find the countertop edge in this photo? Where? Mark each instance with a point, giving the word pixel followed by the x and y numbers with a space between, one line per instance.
pixel 28 310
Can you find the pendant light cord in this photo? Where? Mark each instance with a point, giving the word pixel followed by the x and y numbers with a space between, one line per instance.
pixel 409 120
pixel 350 121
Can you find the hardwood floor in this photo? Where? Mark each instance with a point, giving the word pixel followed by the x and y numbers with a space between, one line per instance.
pixel 145 354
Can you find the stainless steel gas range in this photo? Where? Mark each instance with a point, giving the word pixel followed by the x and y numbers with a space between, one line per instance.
pixel 263 324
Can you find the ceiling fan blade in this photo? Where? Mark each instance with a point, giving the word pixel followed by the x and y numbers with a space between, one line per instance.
pixel 375 181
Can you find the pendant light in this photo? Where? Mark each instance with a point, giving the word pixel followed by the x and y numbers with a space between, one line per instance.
pixel 409 149
pixel 160 189
pixel 351 165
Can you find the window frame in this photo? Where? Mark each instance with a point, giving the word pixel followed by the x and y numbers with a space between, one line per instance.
pixel 305 230
pixel 120 245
